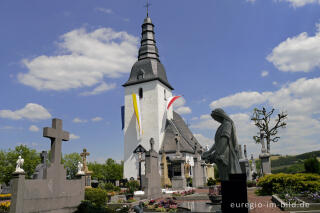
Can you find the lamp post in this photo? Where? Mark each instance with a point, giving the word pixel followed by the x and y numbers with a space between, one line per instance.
pixel 140 150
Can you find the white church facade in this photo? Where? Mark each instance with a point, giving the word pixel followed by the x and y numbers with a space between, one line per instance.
pixel 149 84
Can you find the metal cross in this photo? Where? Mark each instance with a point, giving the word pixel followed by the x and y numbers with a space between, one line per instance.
pixel 57 135
pixel 147 6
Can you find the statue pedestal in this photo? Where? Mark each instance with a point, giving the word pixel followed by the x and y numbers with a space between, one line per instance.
pixel 178 180
pixel 234 194
pixel 265 163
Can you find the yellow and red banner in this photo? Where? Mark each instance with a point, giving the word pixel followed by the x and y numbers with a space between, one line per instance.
pixel 136 106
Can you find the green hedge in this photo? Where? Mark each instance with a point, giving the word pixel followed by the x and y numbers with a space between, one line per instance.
pixel 282 183
pixel 98 197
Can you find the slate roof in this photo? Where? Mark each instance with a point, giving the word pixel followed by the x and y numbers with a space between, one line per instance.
pixel 148 65
pixel 187 141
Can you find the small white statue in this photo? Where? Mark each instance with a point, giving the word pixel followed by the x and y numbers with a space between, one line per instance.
pixel 80 169
pixel 20 162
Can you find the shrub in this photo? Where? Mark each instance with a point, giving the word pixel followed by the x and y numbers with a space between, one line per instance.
pixel 279 183
pixel 98 197
pixel 211 182
pixel 312 165
pixel 132 186
pixel 5 206
pixel 108 186
pixel 251 183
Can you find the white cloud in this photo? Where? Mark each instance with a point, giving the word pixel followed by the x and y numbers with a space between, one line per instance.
pixel 275 83
pixel 104 10
pixel 85 60
pixel 203 140
pixel 99 89
pixel 31 111
pixel 300 53
pixel 74 137
pixel 179 106
pixel 301 3
pixel 33 128
pixel 183 110
pixel 251 1
pixel 241 99
pixel 78 120
pixel 264 73
pixel 96 119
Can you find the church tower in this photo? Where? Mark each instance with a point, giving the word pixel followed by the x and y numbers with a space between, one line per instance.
pixel 148 80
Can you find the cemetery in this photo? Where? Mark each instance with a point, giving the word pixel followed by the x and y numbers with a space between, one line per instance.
pixel 165 167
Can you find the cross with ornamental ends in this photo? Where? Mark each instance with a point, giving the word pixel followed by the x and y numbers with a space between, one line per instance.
pixel 57 135
pixel 147 6
pixel 84 155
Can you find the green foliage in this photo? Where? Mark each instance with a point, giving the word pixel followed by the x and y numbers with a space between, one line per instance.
pixel 86 206
pixel 211 182
pixel 292 169
pixel 289 160
pixel 312 165
pixel 109 187
pixel 132 186
pixel 8 162
pixel 98 197
pixel 216 172
pixel 70 162
pixel 108 171
pixel 279 183
pixel 189 181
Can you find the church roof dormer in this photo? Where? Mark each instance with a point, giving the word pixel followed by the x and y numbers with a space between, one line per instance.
pixel 148 67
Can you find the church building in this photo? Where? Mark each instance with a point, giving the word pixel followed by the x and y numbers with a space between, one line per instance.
pixel 146 116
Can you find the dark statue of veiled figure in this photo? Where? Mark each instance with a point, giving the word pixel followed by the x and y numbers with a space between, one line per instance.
pixel 224 152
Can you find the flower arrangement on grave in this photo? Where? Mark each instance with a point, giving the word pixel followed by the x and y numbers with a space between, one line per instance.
pixel 5 206
pixel 132 186
pixel 183 193
pixel 5 197
pixel 166 205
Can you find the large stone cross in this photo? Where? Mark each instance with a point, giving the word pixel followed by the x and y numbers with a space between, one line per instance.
pixel 84 155
pixel 57 135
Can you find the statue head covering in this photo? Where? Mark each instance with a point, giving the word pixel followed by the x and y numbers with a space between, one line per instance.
pixel 220 116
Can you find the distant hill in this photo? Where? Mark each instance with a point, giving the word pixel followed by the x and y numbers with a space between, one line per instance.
pixel 291 163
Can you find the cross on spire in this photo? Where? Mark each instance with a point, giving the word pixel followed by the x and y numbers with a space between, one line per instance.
pixel 147 6
pixel 57 135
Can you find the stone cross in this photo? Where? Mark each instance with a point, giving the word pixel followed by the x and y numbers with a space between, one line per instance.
pixel 57 135
pixel 240 151
pixel 177 143
pixel 84 155
pixel 151 144
pixel 263 148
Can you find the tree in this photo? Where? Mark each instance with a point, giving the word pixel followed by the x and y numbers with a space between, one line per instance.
pixel 312 165
pixel 114 171
pixel 8 162
pixel 262 119
pixel 98 170
pixel 70 162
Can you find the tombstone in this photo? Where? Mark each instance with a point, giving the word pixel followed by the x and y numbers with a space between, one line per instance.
pixel 86 171
pixel 165 181
pixel 40 169
pixel 198 170
pixel 253 168
pixel 178 179
pixel 152 182
pixel 245 162
pixel 264 157
pixel 210 171
pixel 53 193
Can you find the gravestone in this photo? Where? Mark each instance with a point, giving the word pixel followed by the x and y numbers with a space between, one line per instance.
pixel 264 157
pixel 210 171
pixel 165 181
pixel 253 168
pixel 40 169
pixel 247 164
pixel 54 193
pixel 152 182
pixel 178 179
pixel 198 170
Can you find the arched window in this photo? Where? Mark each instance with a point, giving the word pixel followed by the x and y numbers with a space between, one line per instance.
pixel 165 95
pixel 140 75
pixel 140 93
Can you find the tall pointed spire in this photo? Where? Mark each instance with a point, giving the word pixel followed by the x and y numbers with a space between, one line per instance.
pixel 148 47
pixel 148 67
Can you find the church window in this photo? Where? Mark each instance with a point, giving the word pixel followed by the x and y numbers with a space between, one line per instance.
pixel 165 95
pixel 140 75
pixel 140 93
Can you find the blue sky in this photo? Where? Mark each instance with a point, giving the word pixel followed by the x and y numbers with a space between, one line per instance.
pixel 68 59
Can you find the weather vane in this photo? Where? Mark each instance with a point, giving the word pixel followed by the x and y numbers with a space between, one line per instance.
pixel 147 6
